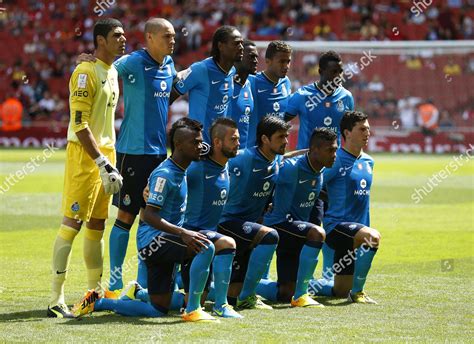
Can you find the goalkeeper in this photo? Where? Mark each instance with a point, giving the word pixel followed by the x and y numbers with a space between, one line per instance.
pixel 90 177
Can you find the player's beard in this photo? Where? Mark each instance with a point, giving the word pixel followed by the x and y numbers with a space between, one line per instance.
pixel 229 153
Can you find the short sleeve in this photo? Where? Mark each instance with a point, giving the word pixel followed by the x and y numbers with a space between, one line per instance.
pixel 292 109
pixel 190 78
pixel 124 66
pixel 160 184
pixel 330 173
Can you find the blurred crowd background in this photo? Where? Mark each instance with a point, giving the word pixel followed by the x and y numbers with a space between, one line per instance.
pixel 41 40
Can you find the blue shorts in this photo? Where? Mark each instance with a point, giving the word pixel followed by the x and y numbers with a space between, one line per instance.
pixel 341 240
pixel 292 239
pixel 243 232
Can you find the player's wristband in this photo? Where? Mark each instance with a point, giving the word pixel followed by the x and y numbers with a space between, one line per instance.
pixel 101 161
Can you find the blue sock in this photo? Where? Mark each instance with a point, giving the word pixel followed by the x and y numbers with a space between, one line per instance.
pixel 328 262
pixel 143 295
pixel 211 295
pixel 259 260
pixel 178 280
pixel 364 257
pixel 268 289
pixel 118 242
pixel 266 274
pixel 177 301
pixel 132 308
pixel 307 264
pixel 198 274
pixel 321 287
pixel 142 273
pixel 222 269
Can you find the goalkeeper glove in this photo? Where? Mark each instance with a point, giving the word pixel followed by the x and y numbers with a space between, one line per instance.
pixel 111 178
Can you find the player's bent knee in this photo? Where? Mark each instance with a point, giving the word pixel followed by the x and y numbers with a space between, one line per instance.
pixel 97 224
pixel 125 217
pixel 316 233
pixel 271 237
pixel 225 243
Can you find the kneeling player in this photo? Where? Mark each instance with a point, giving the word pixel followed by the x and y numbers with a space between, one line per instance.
pixel 347 220
pixel 162 241
pixel 297 188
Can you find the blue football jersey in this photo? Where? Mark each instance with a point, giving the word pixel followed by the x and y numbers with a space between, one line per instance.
pixel 146 91
pixel 210 91
pixel 348 184
pixel 297 188
pixel 269 99
pixel 241 109
pixel 316 111
pixel 208 187
pixel 252 177
pixel 168 190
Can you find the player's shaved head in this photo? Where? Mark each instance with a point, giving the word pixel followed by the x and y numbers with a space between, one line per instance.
pixel 220 126
pixel 321 136
pixel 181 129
pixel 155 25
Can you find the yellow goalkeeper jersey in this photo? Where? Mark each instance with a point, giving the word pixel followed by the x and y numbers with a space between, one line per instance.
pixel 94 93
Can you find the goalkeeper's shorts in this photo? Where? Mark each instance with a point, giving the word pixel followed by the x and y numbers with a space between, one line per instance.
pixel 83 195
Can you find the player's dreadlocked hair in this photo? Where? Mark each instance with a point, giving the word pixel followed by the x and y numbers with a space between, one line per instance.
pixel 268 126
pixel 180 124
pixel 350 119
pixel 221 35
pixel 327 57
pixel 321 135
pixel 103 26
pixel 276 46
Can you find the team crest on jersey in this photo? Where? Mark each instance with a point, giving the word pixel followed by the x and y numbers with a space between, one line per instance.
pixel 311 196
pixel 275 91
pixel 75 206
pixel 313 183
pixel 327 121
pixel 359 166
pixel 163 85
pixel 266 186
pixel 276 106
pixel 340 106
pixel 126 200
pixel 246 94
pixel 226 86
pixel 363 183
pixel 327 104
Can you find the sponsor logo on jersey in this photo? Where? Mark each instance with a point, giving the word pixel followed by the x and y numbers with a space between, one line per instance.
pixel 82 81
pixel 163 85
pixel 327 121
pixel 276 106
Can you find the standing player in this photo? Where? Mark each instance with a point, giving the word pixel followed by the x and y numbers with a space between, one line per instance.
pixel 90 177
pixel 210 82
pixel 270 88
pixel 253 174
pixel 241 107
pixel 347 219
pixel 162 240
pixel 147 77
pixel 208 188
pixel 297 187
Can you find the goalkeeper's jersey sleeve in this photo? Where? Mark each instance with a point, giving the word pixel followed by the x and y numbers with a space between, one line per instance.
pixel 94 93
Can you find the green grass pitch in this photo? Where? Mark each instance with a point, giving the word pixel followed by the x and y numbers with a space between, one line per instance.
pixel 422 276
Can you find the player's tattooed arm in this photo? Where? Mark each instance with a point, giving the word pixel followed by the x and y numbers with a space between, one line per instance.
pixel 194 240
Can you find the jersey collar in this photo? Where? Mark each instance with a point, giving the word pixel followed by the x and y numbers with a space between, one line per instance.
pixel 220 68
pixel 215 162
pixel 355 157
pixel 160 64
pixel 263 154
pixel 177 165
pixel 269 80
pixel 311 166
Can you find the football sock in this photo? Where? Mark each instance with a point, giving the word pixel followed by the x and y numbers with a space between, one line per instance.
pixel 307 264
pixel 328 262
pixel 118 242
pixel 142 274
pixel 364 257
pixel 268 289
pixel 222 269
pixel 61 257
pixel 142 295
pixel 211 295
pixel 266 274
pixel 322 287
pixel 198 274
pixel 258 262
pixel 177 301
pixel 94 257
pixel 132 308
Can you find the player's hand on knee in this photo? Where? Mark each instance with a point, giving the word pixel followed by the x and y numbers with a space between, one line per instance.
pixel 195 240
pixel 111 178
pixel 85 58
